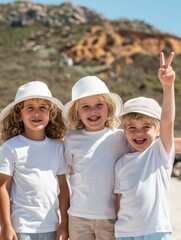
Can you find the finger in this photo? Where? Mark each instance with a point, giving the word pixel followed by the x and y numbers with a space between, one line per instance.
pixel 169 60
pixel 162 59
pixel 168 70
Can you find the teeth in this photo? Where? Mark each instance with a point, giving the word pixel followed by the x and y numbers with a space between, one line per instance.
pixel 93 118
pixel 139 140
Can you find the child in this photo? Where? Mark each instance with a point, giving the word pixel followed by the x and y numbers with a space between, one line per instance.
pixel 142 175
pixel 91 150
pixel 32 165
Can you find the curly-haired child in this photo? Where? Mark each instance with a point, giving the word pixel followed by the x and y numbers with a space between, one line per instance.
pixel 33 186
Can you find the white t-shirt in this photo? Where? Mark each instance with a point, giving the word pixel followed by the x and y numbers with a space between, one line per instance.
pixel 143 180
pixel 34 166
pixel 92 156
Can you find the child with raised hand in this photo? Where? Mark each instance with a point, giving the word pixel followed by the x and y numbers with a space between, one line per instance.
pixel 33 186
pixel 142 175
pixel 92 147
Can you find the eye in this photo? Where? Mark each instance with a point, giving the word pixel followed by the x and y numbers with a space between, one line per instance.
pixel 43 108
pixel 99 105
pixel 130 128
pixel 29 108
pixel 85 106
pixel 147 127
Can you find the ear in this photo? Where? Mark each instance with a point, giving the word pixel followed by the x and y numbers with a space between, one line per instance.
pixel 158 133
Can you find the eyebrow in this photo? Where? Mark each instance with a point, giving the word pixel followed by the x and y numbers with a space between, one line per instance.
pixel 31 104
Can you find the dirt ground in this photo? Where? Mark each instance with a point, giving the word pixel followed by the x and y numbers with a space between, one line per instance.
pixel 175 193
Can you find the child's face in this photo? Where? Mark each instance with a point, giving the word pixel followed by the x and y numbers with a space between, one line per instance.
pixel 140 134
pixel 35 116
pixel 93 113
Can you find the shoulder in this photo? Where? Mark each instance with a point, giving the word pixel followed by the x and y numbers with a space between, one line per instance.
pixel 54 143
pixel 119 136
pixel 73 135
pixel 12 142
pixel 9 147
pixel 119 133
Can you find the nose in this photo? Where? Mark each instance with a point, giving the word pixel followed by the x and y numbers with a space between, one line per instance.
pixel 139 131
pixel 35 112
pixel 93 109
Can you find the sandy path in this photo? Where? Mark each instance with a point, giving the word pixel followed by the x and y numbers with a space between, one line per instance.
pixel 175 192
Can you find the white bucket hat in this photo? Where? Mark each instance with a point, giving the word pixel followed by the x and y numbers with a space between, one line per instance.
pixel 143 105
pixel 34 89
pixel 88 86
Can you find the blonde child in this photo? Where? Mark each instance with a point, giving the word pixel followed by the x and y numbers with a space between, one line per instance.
pixel 32 166
pixel 92 147
pixel 142 175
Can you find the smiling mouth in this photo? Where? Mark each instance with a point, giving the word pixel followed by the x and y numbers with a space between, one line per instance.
pixel 139 141
pixel 94 119
pixel 36 120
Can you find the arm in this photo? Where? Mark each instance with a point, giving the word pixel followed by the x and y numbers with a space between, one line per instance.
pixel 167 77
pixel 177 145
pixel 7 231
pixel 118 199
pixel 64 202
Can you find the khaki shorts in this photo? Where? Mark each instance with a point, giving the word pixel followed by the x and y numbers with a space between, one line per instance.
pixel 91 229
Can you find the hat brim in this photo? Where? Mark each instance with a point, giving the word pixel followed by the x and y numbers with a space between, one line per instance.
pixel 147 113
pixel 117 100
pixel 5 111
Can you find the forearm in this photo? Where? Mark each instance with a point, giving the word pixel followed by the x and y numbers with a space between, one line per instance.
pixel 118 199
pixel 168 105
pixel 64 198
pixel 64 202
pixel 4 208
pixel 5 183
pixel 177 145
pixel 167 118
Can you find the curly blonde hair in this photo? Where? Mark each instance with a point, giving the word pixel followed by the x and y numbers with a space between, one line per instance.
pixel 12 124
pixel 112 121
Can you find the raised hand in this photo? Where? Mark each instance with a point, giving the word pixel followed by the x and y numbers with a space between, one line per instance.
pixel 166 74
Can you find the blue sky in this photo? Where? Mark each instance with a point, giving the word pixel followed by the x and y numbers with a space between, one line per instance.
pixel 165 15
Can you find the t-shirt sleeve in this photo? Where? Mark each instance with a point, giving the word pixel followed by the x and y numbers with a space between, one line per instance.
pixel 117 182
pixel 7 160
pixel 63 168
pixel 67 152
pixel 168 159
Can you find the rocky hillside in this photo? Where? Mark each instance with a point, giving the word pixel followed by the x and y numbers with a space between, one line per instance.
pixel 60 44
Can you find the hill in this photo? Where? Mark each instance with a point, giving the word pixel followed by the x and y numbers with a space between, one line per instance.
pixel 61 44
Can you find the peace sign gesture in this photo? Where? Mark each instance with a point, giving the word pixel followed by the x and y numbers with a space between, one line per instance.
pixel 166 74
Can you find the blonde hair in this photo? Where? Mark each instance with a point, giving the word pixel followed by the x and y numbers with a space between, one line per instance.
pixel 12 124
pixel 129 117
pixel 112 121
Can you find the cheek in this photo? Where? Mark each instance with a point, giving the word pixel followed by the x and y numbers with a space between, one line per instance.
pixel 127 135
pixel 23 116
pixel 47 115
pixel 157 132
pixel 106 111
pixel 81 114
